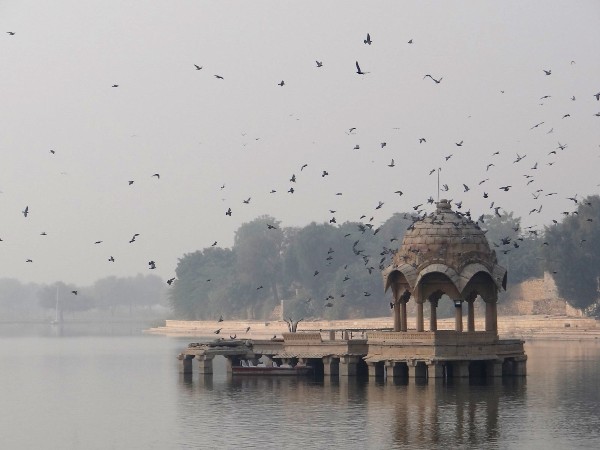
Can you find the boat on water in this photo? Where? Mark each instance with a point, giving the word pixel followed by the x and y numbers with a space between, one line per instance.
pixel 248 368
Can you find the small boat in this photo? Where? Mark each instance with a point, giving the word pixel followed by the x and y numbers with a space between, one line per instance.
pixel 248 368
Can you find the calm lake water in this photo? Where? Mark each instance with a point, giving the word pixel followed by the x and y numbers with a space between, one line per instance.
pixel 125 392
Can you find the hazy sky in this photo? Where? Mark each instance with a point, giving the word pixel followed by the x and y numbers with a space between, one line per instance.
pixel 251 135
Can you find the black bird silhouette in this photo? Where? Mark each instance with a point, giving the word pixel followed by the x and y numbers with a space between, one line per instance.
pixel 132 240
pixel 220 319
pixel 197 67
pixel 392 163
pixel 319 63
pixel 247 201
pixel 358 71
pixel 303 166
pixel 214 244
pixel 436 81
pixel 271 227
pixel 26 211
pixel 12 33
pixel 228 212
pixel 459 144
pixel 29 260
pixel 74 292
pixel 170 281
pixel 157 175
pixel 505 188
pixel 111 259
pixel 247 329
pixel 219 77
pixel 152 265
pixel 115 85
pixel 368 39
pixel 130 182
pixel 421 140
pixel 281 83
pixel 325 173
pixel 218 331
pixel 547 72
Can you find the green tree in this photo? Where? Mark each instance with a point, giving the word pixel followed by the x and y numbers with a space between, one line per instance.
pixel 572 253
pixel 259 247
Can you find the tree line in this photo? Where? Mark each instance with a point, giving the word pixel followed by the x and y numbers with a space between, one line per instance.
pixel 112 296
pixel 334 271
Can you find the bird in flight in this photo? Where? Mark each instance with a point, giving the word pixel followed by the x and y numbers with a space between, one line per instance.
pixel 74 292
pixel 547 72
pixel 115 85
pixel 436 81
pixel 130 182
pixel 247 201
pixel 536 125
pixel 219 77
pixel 197 67
pixel 358 71
pixel 392 163
pixel 26 211
pixel 228 212
pixel 368 39
pixel 170 281
pixel 157 175
pixel 459 144
pixel 281 83
pixel 12 33
pixel 111 259
pixel 152 265
pixel 271 227
pixel 132 240
pixel 319 63
pixel 421 140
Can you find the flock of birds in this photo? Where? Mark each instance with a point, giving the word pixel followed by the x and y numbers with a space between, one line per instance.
pixel 366 222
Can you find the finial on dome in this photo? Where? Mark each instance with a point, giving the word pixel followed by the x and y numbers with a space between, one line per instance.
pixel 443 205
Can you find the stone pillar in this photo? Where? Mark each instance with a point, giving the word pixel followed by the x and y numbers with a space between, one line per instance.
pixel 403 318
pixel 331 366
pixel 416 370
pixel 494 368
pixel 460 369
pixel 229 364
pixel 433 315
pixel 471 316
pixel 375 369
pixel 391 369
pixel 435 370
pixel 332 335
pixel 491 316
pixel 346 335
pixel 458 315
pixel 520 367
pixel 186 363
pixel 205 364
pixel 348 365
pixel 420 326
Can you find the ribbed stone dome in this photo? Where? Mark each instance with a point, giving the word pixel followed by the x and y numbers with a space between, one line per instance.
pixel 445 237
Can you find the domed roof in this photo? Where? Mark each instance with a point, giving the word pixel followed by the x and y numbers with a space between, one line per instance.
pixel 448 242
pixel 445 237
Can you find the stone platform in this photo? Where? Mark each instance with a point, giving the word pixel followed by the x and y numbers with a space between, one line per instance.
pixel 427 354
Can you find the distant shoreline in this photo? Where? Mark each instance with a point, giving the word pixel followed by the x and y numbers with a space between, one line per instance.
pixel 522 327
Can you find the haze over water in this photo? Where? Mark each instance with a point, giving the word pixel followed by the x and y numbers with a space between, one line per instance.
pixel 125 392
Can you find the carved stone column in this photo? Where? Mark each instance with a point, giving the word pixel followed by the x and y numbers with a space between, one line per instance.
pixel 458 315
pixel 433 314
pixel 420 326
pixel 205 364
pixel 348 366
pixel 331 366
pixel 471 315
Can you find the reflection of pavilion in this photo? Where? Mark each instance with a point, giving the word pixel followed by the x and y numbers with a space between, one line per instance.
pixel 446 253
